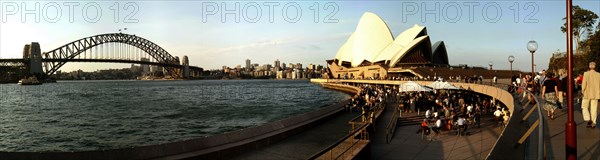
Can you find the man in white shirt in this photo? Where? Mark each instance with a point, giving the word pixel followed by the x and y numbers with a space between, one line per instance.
pixel 495 79
pixel 461 122
pixel 437 128
pixel 438 123
pixel 498 113
pixel 470 108
pixel 428 114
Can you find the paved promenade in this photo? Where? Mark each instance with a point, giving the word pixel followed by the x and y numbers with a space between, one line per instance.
pixel 588 139
pixel 307 143
pixel 406 144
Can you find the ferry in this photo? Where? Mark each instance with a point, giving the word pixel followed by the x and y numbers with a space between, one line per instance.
pixel 29 81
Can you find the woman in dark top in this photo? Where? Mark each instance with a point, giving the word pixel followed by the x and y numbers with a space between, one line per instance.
pixel 549 91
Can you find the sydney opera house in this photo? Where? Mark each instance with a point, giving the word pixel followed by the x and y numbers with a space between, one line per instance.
pixel 373 52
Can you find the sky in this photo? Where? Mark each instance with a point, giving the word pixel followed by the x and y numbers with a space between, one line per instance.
pixel 475 32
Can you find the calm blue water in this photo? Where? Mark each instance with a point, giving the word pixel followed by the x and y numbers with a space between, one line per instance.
pixel 92 115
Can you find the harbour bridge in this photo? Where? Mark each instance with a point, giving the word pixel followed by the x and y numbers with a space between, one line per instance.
pixel 110 48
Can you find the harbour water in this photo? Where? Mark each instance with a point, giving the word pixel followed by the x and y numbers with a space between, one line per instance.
pixel 94 115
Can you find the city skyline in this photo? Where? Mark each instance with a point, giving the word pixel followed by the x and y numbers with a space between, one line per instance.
pixel 211 40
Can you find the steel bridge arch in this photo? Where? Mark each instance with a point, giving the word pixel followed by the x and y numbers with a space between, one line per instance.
pixel 73 49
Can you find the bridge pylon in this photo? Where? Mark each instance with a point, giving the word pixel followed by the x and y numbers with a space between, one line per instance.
pixel 32 56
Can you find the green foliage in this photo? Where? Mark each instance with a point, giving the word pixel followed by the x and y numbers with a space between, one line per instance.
pixel 593 43
pixel 583 20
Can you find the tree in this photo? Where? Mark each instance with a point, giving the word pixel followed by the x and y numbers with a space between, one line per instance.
pixel 583 23
pixel 593 43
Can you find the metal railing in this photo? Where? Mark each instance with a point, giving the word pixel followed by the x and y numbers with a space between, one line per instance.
pixel 390 129
pixel 348 146
pixel 538 122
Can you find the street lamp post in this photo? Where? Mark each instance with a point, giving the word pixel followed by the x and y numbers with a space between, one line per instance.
pixel 532 46
pixel 570 125
pixel 491 73
pixel 511 59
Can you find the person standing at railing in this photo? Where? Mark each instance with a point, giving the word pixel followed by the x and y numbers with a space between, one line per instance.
pixel 495 80
pixel 549 93
pixel 590 88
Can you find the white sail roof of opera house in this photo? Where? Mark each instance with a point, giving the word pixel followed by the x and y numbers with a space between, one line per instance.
pixel 371 36
pixel 372 41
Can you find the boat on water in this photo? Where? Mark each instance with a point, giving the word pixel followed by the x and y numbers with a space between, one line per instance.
pixel 29 81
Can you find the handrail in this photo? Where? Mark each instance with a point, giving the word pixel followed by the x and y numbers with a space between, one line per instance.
pixel 360 131
pixel 540 122
pixel 541 146
pixel 354 121
pixel 390 129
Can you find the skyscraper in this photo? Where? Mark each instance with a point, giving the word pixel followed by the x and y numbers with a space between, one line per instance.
pixel 276 65
pixel 248 64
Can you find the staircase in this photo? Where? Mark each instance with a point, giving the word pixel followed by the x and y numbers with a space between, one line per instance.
pixel 409 119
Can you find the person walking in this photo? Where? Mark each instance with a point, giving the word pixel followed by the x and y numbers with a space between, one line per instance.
pixel 590 88
pixel 549 91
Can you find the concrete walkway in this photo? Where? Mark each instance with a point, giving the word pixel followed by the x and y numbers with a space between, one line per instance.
pixel 307 143
pixel 588 139
pixel 406 144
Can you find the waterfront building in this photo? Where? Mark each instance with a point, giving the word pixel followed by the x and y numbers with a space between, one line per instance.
pixel 280 75
pixel 276 65
pixel 248 64
pixel 319 67
pixel 372 52
pixel 288 74
pixel 312 67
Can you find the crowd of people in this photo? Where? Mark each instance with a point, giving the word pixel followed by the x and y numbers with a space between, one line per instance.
pixel 451 110
pixel 442 111
pixel 553 90
pixel 458 109
pixel 367 100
